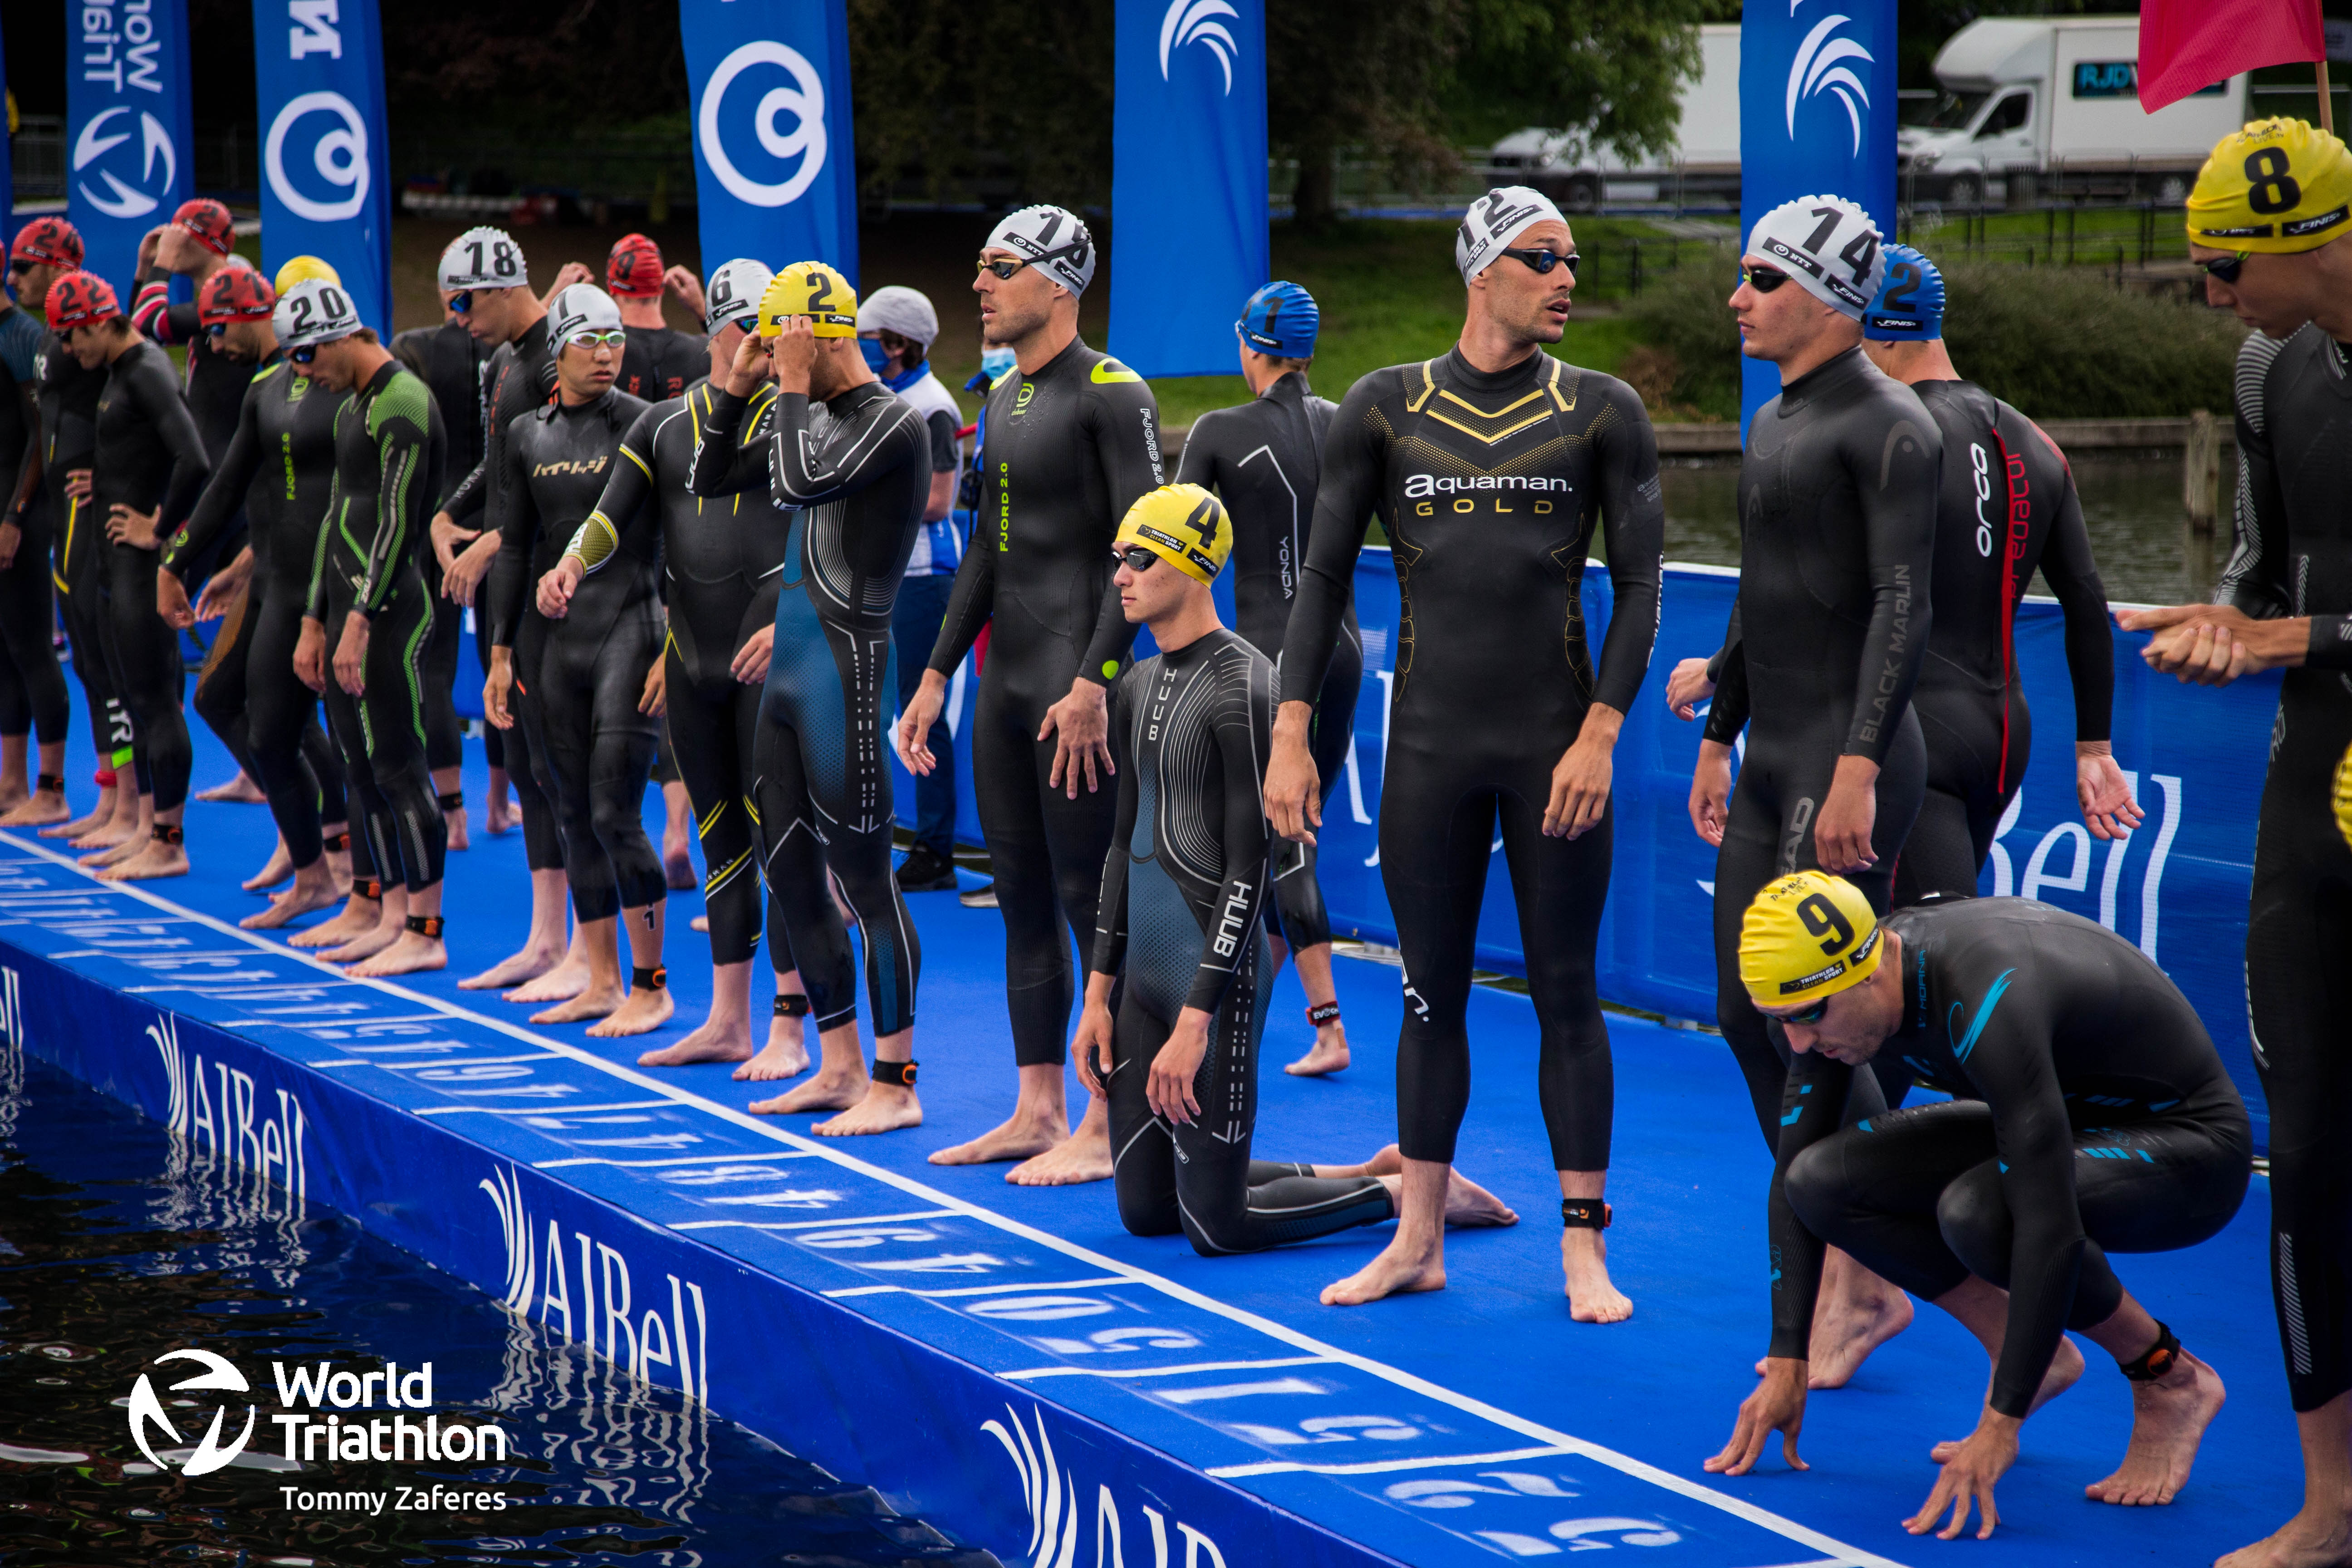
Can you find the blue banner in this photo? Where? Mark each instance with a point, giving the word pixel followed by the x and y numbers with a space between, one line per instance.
pixel 776 166
pixel 1188 197
pixel 326 168
pixel 7 152
pixel 1816 117
pixel 129 157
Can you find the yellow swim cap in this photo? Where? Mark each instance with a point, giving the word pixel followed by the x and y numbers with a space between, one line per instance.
pixel 2277 186
pixel 2343 796
pixel 810 289
pixel 1184 525
pixel 1808 935
pixel 301 269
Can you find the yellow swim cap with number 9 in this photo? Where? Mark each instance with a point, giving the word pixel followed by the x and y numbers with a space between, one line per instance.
pixel 1808 935
pixel 1184 525
pixel 2277 186
pixel 810 289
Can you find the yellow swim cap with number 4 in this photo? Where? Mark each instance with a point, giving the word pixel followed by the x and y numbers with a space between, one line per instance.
pixel 810 289
pixel 1183 525
pixel 1808 935
pixel 2277 186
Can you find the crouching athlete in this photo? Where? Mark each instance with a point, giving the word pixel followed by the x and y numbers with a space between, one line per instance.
pixel 1185 880
pixel 2092 1115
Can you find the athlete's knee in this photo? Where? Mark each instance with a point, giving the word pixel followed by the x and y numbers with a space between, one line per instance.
pixel 1816 1187
pixel 1974 1217
pixel 617 816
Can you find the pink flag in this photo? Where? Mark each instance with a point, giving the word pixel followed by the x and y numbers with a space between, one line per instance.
pixel 2185 45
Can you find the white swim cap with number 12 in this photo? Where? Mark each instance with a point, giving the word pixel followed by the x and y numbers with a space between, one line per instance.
pixel 483 258
pixel 1827 245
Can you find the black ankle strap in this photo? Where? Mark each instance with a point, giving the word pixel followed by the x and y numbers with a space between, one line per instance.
pixel 427 926
pixel 372 890
pixel 337 843
pixel 791 1004
pixel 165 833
pixel 1328 1013
pixel 894 1072
pixel 2154 1362
pixel 648 979
pixel 49 783
pixel 454 801
pixel 1585 1213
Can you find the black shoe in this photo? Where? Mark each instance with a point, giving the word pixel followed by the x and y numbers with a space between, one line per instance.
pixel 925 870
pixel 981 898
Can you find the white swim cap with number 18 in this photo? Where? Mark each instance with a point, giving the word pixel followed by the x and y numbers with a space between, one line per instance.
pixel 483 258
pixel 1827 245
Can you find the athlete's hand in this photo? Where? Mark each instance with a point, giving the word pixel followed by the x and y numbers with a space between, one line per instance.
pixel 126 524
pixel 1842 831
pixel 1688 687
pixel 176 250
pixel 1080 725
pixel 148 245
pixel 225 585
pixel 1090 1046
pixel 310 655
pixel 2213 645
pixel 78 484
pixel 11 537
pixel 1710 796
pixel 448 538
pixel 495 686
pixel 556 587
pixel 1294 790
pixel 682 282
pixel 1777 1405
pixel 794 355
pixel 567 274
pixel 923 710
pixel 464 577
pixel 351 655
pixel 1969 1477
pixel 1579 780
pixel 171 601
pixel 655 700
pixel 2107 805
pixel 1170 1087
pixel 750 366
pixel 750 666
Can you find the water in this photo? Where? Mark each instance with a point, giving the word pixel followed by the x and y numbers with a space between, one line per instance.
pixel 2131 503
pixel 117 1245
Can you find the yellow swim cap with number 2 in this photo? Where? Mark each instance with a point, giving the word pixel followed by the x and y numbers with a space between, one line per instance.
pixel 1808 935
pixel 810 289
pixel 2277 186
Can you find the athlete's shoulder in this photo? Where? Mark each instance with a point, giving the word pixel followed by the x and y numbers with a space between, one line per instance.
pixel 403 397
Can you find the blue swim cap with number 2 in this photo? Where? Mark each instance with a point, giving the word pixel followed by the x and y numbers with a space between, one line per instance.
pixel 1909 307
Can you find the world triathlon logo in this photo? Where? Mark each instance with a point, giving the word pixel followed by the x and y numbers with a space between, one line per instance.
pixel 1197 21
pixel 101 137
pixel 147 1414
pixel 803 100
pixel 1824 64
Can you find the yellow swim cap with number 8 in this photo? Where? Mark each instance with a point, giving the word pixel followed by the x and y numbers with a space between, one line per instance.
pixel 810 289
pixel 2277 186
pixel 1808 935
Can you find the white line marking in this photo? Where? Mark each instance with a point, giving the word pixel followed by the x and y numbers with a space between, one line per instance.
pixel 811 1223
pixel 469 1061
pixel 1381 1467
pixel 649 1164
pixel 1241 1391
pixel 981 1289
pixel 1037 1372
pixel 1738 1508
pixel 545 1110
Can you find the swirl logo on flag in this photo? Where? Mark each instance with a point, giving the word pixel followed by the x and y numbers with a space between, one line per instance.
pixel 340 156
pixel 1819 67
pixel 1195 22
pixel 804 99
pixel 154 145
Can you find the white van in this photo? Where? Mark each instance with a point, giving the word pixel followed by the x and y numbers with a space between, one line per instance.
pixel 2056 99
pixel 1705 161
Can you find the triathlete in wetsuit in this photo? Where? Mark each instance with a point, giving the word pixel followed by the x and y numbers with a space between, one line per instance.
pixel 1492 469
pixel 33 705
pixel 583 701
pixel 1070 443
pixel 2006 508
pixel 1837 544
pixel 367 619
pixel 1264 459
pixel 851 461
pixel 2091 1114
pixel 661 362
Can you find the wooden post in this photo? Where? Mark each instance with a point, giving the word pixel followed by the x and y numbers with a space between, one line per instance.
pixel 2326 101
pixel 2201 479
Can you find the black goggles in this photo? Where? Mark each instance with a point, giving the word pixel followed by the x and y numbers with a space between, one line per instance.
pixel 1814 1014
pixel 1763 279
pixel 462 302
pixel 1540 261
pixel 2226 267
pixel 1137 559
pixel 1005 267
pixel 304 354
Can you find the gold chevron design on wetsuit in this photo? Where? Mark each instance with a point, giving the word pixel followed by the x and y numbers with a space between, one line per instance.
pixel 1492 426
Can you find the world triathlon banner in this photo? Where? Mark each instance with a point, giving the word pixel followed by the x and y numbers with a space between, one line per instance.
pixel 775 174
pixel 1816 117
pixel 326 169
pixel 128 138
pixel 1188 193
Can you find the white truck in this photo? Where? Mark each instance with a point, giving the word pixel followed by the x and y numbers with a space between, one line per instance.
pixel 1704 162
pixel 2055 102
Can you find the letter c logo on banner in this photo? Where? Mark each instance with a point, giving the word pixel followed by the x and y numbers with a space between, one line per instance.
pixel 804 99
pixel 341 157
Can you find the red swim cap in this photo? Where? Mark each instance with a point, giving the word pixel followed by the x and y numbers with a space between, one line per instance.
pixel 635 268
pixel 48 241
pixel 80 300
pixel 208 221
pixel 235 294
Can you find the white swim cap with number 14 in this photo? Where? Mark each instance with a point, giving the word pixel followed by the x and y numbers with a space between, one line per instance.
pixel 1827 245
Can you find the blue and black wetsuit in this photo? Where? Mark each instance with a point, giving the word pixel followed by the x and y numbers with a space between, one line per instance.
pixel 32 700
pixel 1183 890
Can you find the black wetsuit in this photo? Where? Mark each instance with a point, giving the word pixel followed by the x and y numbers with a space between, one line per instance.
pixel 578 680
pixel 1064 453
pixel 1183 890
pixel 1491 488
pixel 69 398
pixel 2006 506
pixel 659 364
pixel 1262 459
pixel 855 472
pixel 278 475
pixel 1837 537
pixel 33 697
pixel 450 362
pixel 148 456
pixel 2092 1115
pixel 2293 557
pixel 722 559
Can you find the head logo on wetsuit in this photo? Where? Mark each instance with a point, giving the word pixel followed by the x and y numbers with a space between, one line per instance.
pixel 1909 306
pixel 810 289
pixel 2278 186
pixel 1184 525
pixel 1808 935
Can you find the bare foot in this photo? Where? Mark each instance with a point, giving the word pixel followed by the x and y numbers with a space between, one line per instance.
pixel 1019 1139
pixel 784 1055
pixel 360 916
pixel 2065 1368
pixel 157 859
pixel 279 866
pixel 833 1089
pixel 588 1002
pixel 368 943
pixel 1329 1055
pixel 238 791
pixel 1083 1156
pixel 887 1108
pixel 718 1040
pixel 700 922
pixel 678 866
pixel 111 845
pixel 561 984
pixel 83 827
pixel 38 809
pixel 1396 1271
pixel 301 898
pixel 2311 1538
pixel 1468 1205
pixel 1585 1259
pixel 457 823
pixel 528 964
pixel 412 952
pixel 499 816
pixel 1846 1331
pixel 2169 1420
pixel 640 1013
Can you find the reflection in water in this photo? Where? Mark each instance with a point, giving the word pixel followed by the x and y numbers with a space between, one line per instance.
pixel 2131 503
pixel 118 1244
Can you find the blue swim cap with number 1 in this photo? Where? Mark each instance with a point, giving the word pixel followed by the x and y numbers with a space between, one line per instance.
pixel 1909 306
pixel 1281 319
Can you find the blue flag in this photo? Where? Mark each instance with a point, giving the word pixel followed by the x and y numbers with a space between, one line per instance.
pixel 1188 201
pixel 128 142
pixel 326 174
pixel 1816 118
pixel 8 155
pixel 775 172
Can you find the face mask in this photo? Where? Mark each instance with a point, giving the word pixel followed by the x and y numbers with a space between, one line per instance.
pixel 876 360
pixel 996 361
